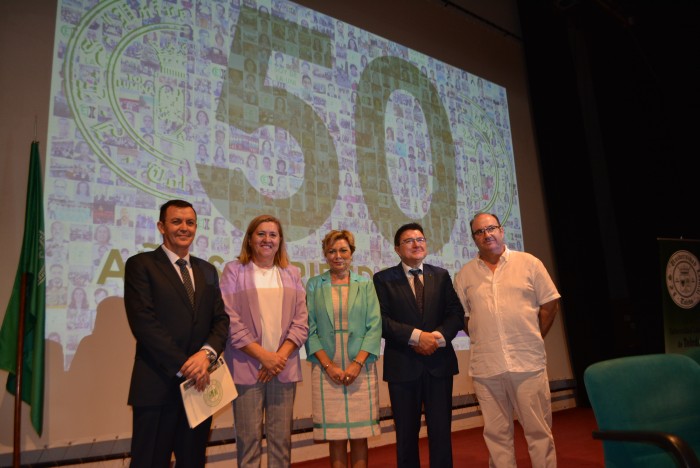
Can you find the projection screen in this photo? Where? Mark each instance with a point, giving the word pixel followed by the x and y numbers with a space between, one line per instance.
pixel 244 108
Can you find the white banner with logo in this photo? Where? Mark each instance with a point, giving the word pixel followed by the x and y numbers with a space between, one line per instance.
pixel 680 269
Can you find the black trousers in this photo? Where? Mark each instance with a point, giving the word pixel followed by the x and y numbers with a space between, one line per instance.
pixel 434 395
pixel 160 431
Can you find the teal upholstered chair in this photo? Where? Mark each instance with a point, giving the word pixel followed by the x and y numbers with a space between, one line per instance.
pixel 647 409
pixel 693 353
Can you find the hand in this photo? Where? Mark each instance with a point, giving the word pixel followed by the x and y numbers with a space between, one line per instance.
pixel 427 344
pixel 264 375
pixel 351 373
pixel 202 383
pixel 197 367
pixel 273 363
pixel 336 374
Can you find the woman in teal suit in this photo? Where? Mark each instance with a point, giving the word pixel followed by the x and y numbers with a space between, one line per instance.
pixel 345 333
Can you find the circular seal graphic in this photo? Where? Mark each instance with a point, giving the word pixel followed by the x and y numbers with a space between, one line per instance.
pixel 213 393
pixel 682 271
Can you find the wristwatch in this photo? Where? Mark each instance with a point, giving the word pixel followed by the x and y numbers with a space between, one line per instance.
pixel 211 355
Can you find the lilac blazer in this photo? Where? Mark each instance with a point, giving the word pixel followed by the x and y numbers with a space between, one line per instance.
pixel 241 303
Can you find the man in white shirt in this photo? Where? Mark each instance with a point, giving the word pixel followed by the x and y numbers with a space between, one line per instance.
pixel 510 303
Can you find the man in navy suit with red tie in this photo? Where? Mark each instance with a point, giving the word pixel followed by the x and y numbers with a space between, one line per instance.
pixel 421 315
pixel 176 313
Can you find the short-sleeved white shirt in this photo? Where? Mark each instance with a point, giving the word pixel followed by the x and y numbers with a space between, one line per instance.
pixel 503 308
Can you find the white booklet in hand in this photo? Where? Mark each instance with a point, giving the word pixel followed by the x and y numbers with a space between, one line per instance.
pixel 219 393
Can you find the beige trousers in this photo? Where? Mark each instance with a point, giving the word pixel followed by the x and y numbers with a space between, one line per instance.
pixel 526 394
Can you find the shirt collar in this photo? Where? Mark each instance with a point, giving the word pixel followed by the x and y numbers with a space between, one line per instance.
pixel 172 256
pixel 407 269
pixel 503 258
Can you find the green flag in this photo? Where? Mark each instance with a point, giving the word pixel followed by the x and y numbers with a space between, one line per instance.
pixel 31 263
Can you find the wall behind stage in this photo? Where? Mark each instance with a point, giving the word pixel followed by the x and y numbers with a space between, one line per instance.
pixel 86 403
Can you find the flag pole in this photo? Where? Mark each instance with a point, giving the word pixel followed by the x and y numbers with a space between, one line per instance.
pixel 16 450
pixel 20 363
pixel 24 324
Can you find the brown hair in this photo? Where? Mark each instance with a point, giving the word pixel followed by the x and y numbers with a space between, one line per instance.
pixel 246 255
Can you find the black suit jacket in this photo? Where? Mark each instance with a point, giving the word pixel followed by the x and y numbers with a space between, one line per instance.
pixel 168 330
pixel 442 311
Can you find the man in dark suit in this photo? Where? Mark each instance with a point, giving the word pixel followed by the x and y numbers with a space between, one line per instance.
pixel 176 313
pixel 421 314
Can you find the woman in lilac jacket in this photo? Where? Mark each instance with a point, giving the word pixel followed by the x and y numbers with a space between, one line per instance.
pixel 266 302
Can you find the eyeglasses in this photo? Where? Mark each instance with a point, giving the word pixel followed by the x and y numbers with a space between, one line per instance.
pixel 410 240
pixel 487 230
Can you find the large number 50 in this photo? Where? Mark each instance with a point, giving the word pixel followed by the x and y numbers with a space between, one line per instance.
pixel 397 74
pixel 248 104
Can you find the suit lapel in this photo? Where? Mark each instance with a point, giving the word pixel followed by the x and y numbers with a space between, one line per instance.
pixel 428 289
pixel 199 283
pixel 405 287
pixel 252 295
pixel 352 293
pixel 169 272
pixel 326 288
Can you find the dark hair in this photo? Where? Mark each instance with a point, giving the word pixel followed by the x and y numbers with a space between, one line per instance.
pixel 84 303
pixel 178 203
pixel 479 214
pixel 406 227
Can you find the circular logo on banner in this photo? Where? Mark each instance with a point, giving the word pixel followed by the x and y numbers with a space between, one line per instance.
pixel 682 271
pixel 213 393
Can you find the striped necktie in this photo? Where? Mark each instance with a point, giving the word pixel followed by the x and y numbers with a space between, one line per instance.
pixel 418 286
pixel 186 279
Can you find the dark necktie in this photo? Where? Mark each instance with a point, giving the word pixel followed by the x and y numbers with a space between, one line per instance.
pixel 186 279
pixel 418 286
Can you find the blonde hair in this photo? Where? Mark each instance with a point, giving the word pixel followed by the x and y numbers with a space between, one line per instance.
pixel 281 259
pixel 334 236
